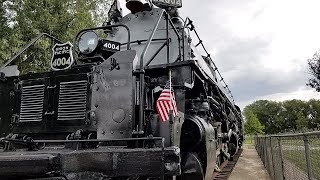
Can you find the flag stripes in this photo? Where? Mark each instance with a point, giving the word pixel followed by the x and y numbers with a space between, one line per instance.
pixel 165 103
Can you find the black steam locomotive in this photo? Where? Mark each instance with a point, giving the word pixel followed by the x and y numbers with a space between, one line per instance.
pixel 99 117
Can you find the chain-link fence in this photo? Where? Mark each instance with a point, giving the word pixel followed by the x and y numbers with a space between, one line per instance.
pixel 290 156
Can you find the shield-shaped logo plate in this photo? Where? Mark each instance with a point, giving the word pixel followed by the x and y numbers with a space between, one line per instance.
pixel 62 57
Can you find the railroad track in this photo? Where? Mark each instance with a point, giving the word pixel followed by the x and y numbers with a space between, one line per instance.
pixel 227 167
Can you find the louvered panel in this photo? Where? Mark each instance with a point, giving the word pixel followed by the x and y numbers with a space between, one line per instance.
pixel 72 100
pixel 31 108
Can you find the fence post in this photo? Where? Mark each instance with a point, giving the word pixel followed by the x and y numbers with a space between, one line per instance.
pixel 272 160
pixel 256 142
pixel 268 156
pixel 307 154
pixel 265 161
pixel 281 158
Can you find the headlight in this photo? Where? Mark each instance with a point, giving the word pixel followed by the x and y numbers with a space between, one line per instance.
pixel 88 42
pixel 172 166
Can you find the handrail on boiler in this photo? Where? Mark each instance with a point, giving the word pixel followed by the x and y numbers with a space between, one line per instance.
pixel 143 54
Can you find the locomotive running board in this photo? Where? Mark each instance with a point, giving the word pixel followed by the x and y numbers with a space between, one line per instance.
pixel 111 162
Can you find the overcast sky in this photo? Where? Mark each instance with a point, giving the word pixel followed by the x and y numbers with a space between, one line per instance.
pixel 261 47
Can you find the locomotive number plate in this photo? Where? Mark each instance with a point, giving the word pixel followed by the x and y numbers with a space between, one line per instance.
pixel 112 46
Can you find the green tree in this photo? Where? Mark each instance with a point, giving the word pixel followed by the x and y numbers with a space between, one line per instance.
pixel 313 113
pixel 301 121
pixel 252 125
pixel 291 110
pixel 3 22
pixel 314 69
pixel 5 34
pixel 267 112
pixel 62 19
pixel 287 115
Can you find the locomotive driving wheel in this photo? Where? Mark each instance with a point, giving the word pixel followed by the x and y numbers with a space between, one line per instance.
pixel 191 167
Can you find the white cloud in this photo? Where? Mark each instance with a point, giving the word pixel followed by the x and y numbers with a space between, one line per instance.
pixel 302 93
pixel 261 46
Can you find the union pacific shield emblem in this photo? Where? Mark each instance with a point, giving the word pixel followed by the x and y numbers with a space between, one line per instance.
pixel 62 57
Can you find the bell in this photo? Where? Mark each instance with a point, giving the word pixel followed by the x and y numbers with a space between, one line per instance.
pixel 135 5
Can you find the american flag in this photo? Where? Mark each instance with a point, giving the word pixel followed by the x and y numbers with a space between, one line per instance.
pixel 166 102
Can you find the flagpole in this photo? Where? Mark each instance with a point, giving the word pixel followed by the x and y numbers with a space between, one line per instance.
pixel 170 111
pixel 170 88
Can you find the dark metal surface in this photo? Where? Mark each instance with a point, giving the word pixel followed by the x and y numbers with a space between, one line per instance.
pixel 170 130
pixel 30 103
pixel 111 162
pixel 113 96
pixel 28 164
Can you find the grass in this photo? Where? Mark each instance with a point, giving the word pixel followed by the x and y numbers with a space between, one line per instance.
pixel 249 140
pixel 293 151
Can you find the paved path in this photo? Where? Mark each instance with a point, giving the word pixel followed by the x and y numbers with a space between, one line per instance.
pixel 249 166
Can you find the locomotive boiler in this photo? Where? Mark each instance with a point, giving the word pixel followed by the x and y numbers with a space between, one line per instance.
pixel 138 102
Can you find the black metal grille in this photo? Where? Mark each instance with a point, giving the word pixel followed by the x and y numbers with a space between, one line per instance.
pixel 31 108
pixel 72 100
